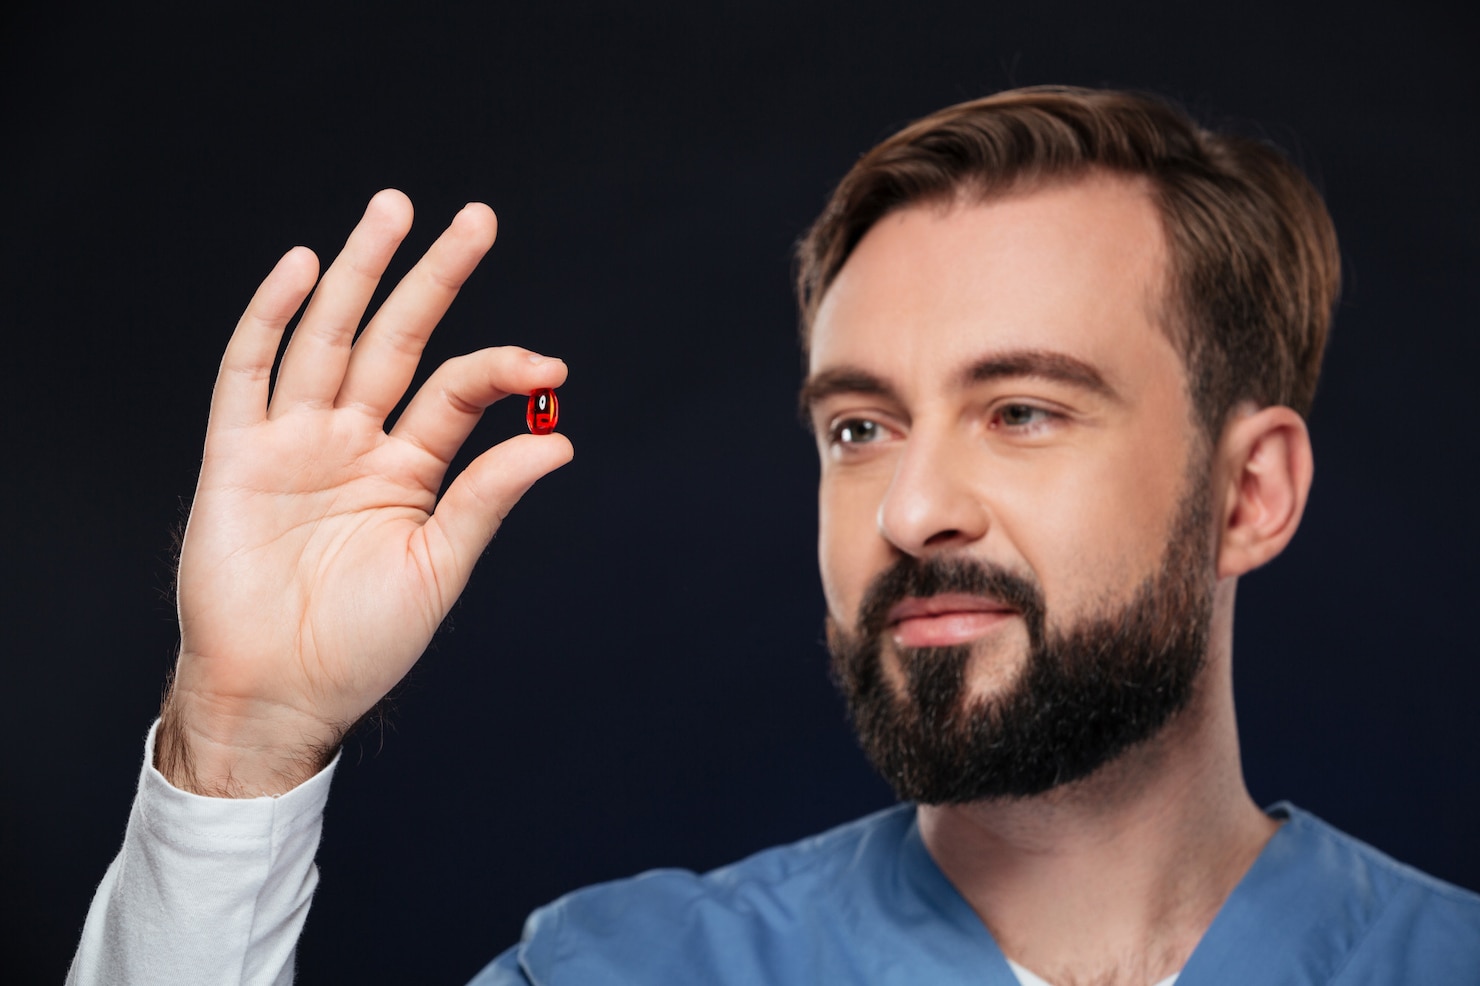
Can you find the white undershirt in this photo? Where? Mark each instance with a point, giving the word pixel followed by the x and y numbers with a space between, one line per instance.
pixel 1028 978
pixel 204 890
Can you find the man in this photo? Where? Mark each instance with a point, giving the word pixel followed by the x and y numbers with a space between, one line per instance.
pixel 1060 346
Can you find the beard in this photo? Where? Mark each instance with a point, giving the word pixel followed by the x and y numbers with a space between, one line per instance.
pixel 1088 691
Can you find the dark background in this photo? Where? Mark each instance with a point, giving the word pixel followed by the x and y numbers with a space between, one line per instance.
pixel 634 677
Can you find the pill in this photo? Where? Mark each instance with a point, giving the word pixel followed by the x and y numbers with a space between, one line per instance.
pixel 543 411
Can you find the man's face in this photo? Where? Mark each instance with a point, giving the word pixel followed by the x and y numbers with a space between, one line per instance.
pixel 1007 524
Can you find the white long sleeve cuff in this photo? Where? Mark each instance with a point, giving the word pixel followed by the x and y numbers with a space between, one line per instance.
pixel 204 890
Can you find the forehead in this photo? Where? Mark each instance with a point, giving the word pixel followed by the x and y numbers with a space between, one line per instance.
pixel 1076 268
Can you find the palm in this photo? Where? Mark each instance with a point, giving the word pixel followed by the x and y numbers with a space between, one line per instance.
pixel 314 537
pixel 318 562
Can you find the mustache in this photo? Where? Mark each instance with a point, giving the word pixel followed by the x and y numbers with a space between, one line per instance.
pixel 919 578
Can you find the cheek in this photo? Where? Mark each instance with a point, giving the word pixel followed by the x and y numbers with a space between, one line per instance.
pixel 1092 537
pixel 849 549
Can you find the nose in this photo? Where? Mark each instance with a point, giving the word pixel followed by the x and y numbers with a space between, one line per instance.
pixel 931 505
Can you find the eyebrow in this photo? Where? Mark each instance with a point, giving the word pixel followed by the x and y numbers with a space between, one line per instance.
pixel 1041 364
pixel 1014 363
pixel 840 380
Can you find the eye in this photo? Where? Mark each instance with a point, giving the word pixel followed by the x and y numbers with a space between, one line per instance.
pixel 855 431
pixel 1021 416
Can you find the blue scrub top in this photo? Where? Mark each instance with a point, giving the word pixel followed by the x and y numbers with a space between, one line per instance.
pixel 865 903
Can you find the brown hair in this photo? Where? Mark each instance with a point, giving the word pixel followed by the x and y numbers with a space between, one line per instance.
pixel 1254 268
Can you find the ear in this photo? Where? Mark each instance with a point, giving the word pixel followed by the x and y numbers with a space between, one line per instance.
pixel 1264 471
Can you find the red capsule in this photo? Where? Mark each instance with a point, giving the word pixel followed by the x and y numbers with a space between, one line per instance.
pixel 543 411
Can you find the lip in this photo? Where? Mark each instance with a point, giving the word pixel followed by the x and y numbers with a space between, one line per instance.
pixel 948 602
pixel 945 620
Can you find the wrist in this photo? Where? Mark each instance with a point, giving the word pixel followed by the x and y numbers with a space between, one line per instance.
pixel 216 750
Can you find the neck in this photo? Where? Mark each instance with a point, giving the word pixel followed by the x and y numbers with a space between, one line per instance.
pixel 1115 878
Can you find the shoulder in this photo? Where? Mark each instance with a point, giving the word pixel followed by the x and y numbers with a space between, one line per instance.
pixel 737 923
pixel 1407 924
pixel 758 889
pixel 1335 850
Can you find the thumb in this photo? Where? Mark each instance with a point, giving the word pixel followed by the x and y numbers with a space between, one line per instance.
pixel 481 497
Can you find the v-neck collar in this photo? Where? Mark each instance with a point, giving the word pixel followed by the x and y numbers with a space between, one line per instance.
pixel 1297 914
pixel 1293 918
pixel 982 961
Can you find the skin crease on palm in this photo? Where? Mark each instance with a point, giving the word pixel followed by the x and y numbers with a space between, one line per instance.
pixel 929 446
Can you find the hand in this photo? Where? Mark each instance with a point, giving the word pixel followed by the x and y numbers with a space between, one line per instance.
pixel 317 561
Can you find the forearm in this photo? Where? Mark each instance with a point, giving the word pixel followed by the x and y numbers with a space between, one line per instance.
pixel 204 890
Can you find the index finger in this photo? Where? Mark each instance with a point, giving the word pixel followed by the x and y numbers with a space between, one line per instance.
pixel 442 414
